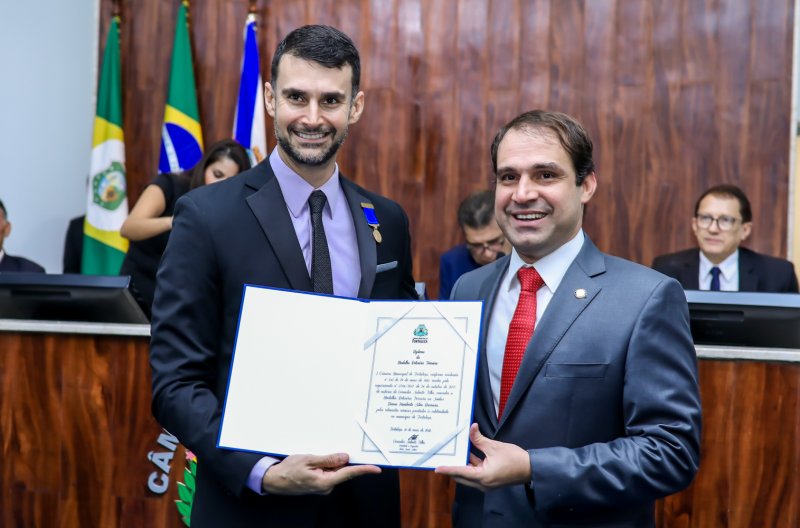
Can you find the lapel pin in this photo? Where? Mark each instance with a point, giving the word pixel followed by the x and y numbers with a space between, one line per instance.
pixel 372 220
pixel 580 293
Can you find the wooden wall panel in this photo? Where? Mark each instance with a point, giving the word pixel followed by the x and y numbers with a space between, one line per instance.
pixel 75 431
pixel 677 95
pixel 750 454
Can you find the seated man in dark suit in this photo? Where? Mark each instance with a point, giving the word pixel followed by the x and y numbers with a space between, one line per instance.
pixel 484 241
pixel 9 263
pixel 722 221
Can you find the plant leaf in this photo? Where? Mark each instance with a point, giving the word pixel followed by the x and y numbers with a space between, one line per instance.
pixel 184 509
pixel 185 494
pixel 188 479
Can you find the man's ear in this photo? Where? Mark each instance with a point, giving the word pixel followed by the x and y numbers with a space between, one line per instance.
pixel 747 228
pixel 588 187
pixel 269 99
pixel 356 108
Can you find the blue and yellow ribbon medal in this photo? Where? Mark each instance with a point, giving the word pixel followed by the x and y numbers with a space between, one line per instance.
pixel 372 220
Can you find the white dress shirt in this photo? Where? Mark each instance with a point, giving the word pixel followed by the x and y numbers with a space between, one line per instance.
pixel 552 269
pixel 728 276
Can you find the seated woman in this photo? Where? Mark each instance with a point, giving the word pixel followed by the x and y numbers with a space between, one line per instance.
pixel 150 221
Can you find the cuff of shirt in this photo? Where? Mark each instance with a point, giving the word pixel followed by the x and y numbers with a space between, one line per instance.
pixel 254 481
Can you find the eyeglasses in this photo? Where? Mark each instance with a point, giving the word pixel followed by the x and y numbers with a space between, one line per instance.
pixel 491 245
pixel 724 223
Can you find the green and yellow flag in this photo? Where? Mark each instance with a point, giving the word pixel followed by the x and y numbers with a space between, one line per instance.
pixel 181 136
pixel 103 247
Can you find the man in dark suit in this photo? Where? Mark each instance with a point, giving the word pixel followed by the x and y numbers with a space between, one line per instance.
pixel 587 405
pixel 262 227
pixel 484 242
pixel 10 263
pixel 722 221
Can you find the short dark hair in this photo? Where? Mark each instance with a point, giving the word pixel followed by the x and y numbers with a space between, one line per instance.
pixel 728 191
pixel 324 45
pixel 571 134
pixel 476 210
pixel 227 148
pixel 3 208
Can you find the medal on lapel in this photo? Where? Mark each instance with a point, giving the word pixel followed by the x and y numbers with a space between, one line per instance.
pixel 372 220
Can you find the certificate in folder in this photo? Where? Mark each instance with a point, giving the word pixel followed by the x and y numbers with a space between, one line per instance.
pixel 390 383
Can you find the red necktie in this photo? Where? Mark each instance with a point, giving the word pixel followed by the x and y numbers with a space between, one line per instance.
pixel 520 331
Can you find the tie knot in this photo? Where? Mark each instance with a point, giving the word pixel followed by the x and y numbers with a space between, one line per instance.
pixel 529 279
pixel 715 271
pixel 317 201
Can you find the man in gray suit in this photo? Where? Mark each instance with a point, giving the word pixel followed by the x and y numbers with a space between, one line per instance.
pixel 587 408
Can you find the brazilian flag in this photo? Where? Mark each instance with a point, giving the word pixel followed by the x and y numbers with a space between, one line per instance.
pixel 181 135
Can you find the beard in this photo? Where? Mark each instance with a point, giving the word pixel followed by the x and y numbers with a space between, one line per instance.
pixel 317 159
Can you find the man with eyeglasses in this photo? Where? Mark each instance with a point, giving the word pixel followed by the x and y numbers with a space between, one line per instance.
pixel 485 242
pixel 722 221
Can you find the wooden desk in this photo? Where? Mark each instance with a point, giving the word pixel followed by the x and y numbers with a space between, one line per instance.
pixel 76 431
pixel 76 428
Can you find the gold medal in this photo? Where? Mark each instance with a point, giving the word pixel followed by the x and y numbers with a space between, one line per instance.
pixel 372 220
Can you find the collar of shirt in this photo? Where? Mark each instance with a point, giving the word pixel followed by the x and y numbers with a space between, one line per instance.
pixel 552 267
pixel 296 190
pixel 340 229
pixel 728 268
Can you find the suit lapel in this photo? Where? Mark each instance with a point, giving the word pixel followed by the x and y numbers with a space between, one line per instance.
pixel 269 208
pixel 367 253
pixel 748 279
pixel 690 271
pixel 488 293
pixel 563 309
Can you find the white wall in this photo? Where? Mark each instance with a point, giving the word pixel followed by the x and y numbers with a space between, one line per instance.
pixel 48 52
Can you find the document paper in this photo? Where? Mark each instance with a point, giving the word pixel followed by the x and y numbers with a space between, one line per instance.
pixel 388 382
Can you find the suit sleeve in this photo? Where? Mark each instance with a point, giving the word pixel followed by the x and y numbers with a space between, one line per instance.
pixel 185 347
pixel 660 450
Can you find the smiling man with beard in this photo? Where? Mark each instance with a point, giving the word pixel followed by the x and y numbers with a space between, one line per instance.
pixel 587 408
pixel 292 222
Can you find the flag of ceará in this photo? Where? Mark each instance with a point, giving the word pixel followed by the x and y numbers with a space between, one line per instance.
pixel 103 247
pixel 181 136
pixel 248 122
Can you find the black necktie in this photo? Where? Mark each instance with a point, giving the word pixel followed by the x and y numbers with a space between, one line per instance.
pixel 714 279
pixel 321 274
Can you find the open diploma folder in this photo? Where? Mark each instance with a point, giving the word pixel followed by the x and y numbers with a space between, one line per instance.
pixel 388 382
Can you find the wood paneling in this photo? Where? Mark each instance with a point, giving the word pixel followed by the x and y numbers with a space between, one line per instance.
pixel 677 95
pixel 75 432
pixel 76 429
pixel 750 454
